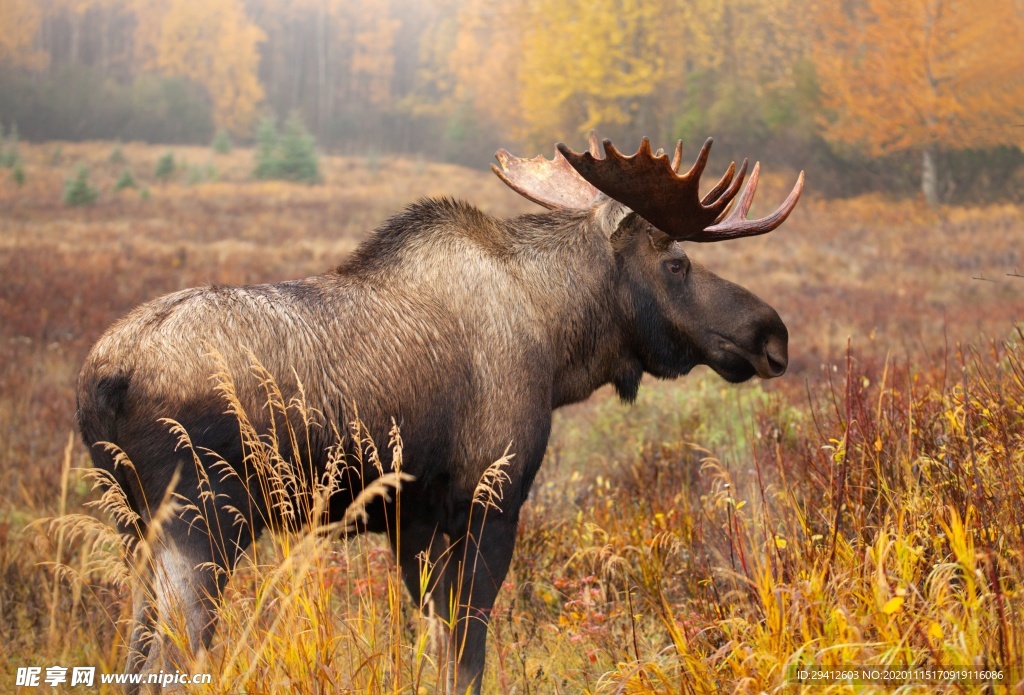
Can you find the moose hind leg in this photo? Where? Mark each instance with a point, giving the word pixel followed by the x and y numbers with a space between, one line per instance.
pixel 141 636
pixel 187 581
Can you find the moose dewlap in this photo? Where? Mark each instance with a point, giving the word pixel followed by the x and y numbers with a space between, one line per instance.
pixel 465 330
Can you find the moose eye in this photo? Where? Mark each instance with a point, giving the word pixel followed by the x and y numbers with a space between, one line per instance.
pixel 675 266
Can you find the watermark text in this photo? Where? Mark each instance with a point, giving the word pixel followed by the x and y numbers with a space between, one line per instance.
pixel 85 676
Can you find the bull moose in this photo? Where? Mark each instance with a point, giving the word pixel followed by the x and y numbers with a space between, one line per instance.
pixel 464 330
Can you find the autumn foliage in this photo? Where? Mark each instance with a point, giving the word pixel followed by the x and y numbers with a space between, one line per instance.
pixel 214 44
pixel 921 75
pixel 921 87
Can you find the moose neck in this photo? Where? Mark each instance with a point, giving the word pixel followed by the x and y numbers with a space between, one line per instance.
pixel 579 301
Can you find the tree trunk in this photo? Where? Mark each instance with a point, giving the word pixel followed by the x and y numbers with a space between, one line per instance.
pixel 930 177
pixel 76 34
pixel 322 96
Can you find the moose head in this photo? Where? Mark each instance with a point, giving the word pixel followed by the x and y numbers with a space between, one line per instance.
pixel 683 314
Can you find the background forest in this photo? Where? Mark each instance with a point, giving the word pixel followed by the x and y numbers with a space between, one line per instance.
pixel 923 95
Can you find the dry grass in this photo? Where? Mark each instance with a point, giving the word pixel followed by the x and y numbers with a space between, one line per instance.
pixel 864 509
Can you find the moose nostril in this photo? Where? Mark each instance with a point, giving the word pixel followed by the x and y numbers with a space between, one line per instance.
pixel 776 355
pixel 777 360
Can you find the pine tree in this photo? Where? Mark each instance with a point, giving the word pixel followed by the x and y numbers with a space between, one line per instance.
pixel 222 142
pixel 266 149
pixel 289 156
pixel 9 154
pixel 78 191
pixel 298 160
pixel 126 180
pixel 165 167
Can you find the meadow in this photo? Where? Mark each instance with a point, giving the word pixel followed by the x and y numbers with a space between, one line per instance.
pixel 867 508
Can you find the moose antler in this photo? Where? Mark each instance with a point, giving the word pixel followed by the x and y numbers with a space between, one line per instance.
pixel 650 185
pixel 552 183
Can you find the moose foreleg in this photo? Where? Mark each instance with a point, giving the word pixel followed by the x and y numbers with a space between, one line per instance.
pixel 477 568
pixel 421 549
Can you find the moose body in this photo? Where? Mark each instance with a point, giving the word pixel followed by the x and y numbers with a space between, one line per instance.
pixel 464 330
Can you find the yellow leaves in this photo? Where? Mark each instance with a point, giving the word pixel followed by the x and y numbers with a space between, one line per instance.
pixel 960 539
pixel 836 628
pixel 19 21
pixel 909 74
pixel 213 43
pixel 373 55
pixel 484 60
pixel 585 64
pixel 893 605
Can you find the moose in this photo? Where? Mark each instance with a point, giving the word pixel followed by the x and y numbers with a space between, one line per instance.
pixel 463 330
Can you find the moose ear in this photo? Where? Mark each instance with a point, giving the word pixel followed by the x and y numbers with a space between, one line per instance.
pixel 552 183
pixel 660 241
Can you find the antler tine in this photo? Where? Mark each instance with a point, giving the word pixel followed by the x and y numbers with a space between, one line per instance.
pixel 721 205
pixel 595 146
pixel 747 196
pixel 677 158
pixel 609 150
pixel 702 161
pixel 723 183
pixel 735 225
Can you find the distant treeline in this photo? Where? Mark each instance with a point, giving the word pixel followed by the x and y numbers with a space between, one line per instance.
pixel 826 88
pixel 74 102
